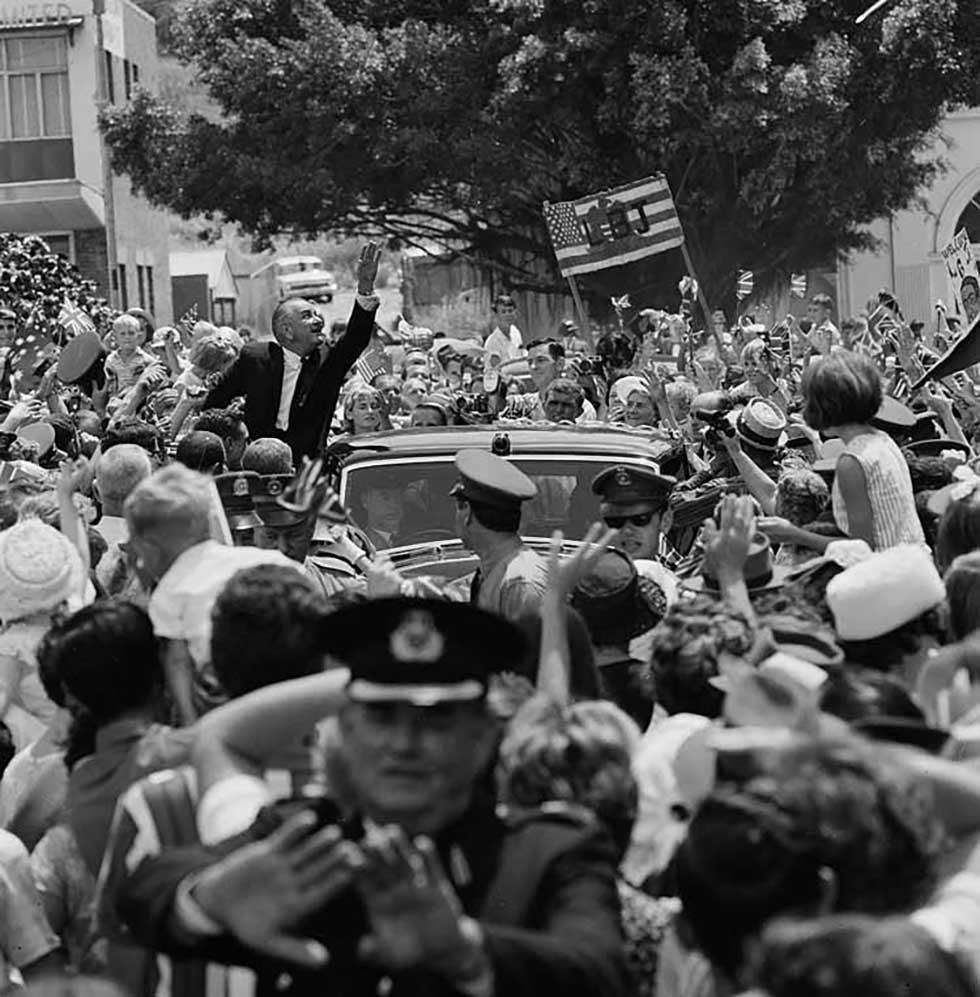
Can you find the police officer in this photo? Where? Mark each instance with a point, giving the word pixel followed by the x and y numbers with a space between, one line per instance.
pixel 635 501
pixel 417 886
pixel 489 495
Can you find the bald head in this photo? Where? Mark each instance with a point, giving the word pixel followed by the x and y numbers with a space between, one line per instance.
pixel 118 472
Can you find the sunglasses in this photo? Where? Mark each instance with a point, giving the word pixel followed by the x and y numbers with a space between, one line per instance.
pixel 618 522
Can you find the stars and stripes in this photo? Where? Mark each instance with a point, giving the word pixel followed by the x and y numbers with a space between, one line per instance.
pixel 613 227
pixel 745 284
pixel 798 285
pixel 370 364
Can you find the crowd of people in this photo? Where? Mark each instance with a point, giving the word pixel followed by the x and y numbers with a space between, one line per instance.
pixel 726 744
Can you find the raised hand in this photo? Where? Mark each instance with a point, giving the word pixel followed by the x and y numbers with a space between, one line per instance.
pixel 727 543
pixel 415 916
pixel 260 891
pixel 563 576
pixel 367 268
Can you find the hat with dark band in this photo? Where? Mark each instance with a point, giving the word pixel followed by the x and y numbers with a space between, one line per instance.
pixel 487 479
pixel 760 573
pixel 894 418
pixel 236 492
pixel 761 425
pixel 631 485
pixel 420 651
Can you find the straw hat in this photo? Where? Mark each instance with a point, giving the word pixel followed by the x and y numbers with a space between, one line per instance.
pixel 761 425
pixel 39 570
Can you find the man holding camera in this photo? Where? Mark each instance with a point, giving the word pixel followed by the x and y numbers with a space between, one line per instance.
pixel 546 361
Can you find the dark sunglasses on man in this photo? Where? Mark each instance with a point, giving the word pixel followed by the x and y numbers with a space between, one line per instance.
pixel 618 522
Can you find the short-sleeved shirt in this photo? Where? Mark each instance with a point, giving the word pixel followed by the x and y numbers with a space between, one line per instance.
pixel 512 584
pixel 122 372
pixel 180 607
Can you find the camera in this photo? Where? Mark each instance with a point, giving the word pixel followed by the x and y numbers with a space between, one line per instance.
pixel 592 366
pixel 718 426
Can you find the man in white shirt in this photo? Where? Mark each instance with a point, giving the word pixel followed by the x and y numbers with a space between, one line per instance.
pixel 171 518
pixel 505 340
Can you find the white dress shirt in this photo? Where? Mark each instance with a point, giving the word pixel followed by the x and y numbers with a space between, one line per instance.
pixel 291 364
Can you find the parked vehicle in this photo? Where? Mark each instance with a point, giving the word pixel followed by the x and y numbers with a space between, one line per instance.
pixel 417 465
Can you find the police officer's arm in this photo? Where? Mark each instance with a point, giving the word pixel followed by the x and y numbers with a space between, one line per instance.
pixel 240 737
pixel 761 487
pixel 577 950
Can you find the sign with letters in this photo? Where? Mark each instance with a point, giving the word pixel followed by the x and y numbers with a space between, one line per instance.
pixel 963 275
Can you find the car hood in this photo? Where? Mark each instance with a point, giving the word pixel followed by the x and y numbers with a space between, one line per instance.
pixel 307 277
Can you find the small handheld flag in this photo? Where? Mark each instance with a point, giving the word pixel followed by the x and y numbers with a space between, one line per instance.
pixel 797 285
pixel 745 285
pixel 74 320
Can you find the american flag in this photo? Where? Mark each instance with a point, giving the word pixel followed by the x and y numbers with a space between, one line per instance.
pixel 32 346
pixel 613 227
pixel 745 284
pixel 74 320
pixel 370 364
pixel 797 285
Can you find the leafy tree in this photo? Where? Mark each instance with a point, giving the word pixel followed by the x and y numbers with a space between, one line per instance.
pixel 782 126
pixel 34 283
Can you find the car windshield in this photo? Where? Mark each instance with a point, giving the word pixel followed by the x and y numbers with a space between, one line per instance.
pixel 408 502
pixel 299 266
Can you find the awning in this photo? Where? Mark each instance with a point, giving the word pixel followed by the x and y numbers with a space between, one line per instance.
pixel 50 206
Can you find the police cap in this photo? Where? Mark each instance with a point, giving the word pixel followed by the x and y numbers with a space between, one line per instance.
pixel 487 479
pixel 629 485
pixel 420 651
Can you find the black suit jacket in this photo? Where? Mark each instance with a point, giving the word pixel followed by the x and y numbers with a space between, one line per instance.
pixel 257 376
pixel 542 886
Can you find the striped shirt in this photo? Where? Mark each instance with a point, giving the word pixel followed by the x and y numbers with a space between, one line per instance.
pixel 894 517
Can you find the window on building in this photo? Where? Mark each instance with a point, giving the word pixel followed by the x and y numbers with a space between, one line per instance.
pixel 60 243
pixel 136 73
pixel 150 296
pixel 34 100
pixel 224 311
pixel 110 81
pixel 127 78
pixel 141 284
pixel 123 286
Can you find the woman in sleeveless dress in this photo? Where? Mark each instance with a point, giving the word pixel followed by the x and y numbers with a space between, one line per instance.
pixel 872 495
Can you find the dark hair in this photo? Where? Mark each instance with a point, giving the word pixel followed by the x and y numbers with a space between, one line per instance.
pixel 7 747
pixel 856 956
pixel 555 349
pixel 64 433
pixel 130 429
pixel 962 581
pixel 265 628
pixel 959 530
pixel 223 422
pixel 757 849
pixel 583 675
pixel 687 644
pixel 492 517
pixel 99 663
pixel 201 451
pixel 504 300
pixel 928 473
pixel 887 651
pixel 854 694
pixel 821 300
pixel 268 455
pixel 841 389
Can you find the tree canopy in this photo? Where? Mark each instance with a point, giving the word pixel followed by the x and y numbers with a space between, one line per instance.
pixel 782 126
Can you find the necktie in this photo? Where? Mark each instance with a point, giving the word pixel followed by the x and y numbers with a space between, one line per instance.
pixel 304 383
pixel 475 587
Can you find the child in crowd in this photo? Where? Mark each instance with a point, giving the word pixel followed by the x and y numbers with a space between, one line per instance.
pixel 128 360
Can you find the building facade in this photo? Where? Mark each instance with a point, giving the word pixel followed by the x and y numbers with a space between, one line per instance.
pixel 51 157
pixel 909 259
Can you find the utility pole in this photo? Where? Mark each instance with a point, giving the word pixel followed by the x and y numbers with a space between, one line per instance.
pixel 108 196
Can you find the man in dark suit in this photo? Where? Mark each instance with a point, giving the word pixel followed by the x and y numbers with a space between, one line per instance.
pixel 291 386
pixel 419 888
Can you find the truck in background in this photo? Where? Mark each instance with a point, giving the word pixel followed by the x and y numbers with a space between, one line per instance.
pixel 284 277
